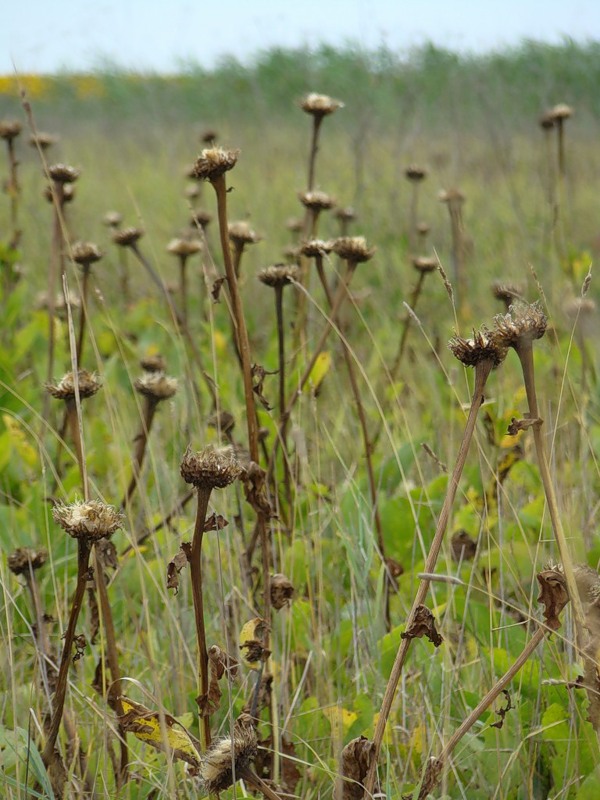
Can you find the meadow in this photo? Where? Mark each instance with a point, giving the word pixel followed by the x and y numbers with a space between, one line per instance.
pixel 262 531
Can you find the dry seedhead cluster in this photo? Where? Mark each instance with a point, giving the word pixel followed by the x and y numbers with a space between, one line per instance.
pixel 262 694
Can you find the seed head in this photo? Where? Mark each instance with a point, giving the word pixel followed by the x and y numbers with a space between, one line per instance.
pixel 423 228
pixel 200 218
pixel 425 263
pixel 415 173
pixel 547 120
pixel 240 234
pixel 85 253
pixel 484 346
pixel 127 236
pixel 353 249
pixel 295 225
pixel 62 173
pixel 228 756
pixel 68 193
pixel 213 162
pixel 320 105
pixel 316 201
pixel 89 383
pixel 561 111
pixel 91 520
pixel 506 292
pixel 156 386
pixel 60 307
pixel 211 468
pixel 282 591
pixel 154 363
pixel 316 247
pixel 184 247
pixel 42 140
pixel 524 322
pixel 279 274
pixel 24 559
pixel 224 421
pixel 345 213
pixel 454 197
pixel 209 136
pixel 9 129
pixel 112 219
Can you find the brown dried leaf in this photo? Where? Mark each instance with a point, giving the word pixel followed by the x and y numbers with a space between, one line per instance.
pixel 94 612
pixel 282 591
pixel 219 662
pixel 254 479
pixel 356 760
pixel 215 522
pixel 177 563
pixel 258 378
pixel 423 624
pixel 290 774
pixel 107 553
pixel 463 547
pixel 431 778
pixel 216 289
pixel 503 711
pixel 553 595
pixel 517 425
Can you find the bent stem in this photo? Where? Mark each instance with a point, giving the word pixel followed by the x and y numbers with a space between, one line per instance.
pixel 83 316
pixel 482 371
pixel 141 442
pixel 281 370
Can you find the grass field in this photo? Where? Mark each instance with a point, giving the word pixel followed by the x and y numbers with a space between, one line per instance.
pixel 358 427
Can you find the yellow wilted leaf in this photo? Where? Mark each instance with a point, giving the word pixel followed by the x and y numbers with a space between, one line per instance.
pixel 250 642
pixel 220 342
pixel 158 731
pixel 18 440
pixel 318 372
pixel 418 739
pixel 340 720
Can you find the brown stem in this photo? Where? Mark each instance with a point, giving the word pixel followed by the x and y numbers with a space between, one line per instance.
pixel 404 337
pixel 314 149
pixel 83 315
pixel 252 778
pixel 413 218
pixel 197 596
pixel 83 560
pixel 183 288
pixel 482 371
pixel 14 190
pixel 56 267
pixel 73 425
pixel 141 441
pixel 281 354
pixel 124 275
pixel 238 249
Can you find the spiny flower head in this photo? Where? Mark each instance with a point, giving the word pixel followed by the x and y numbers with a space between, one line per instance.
pixel 228 756
pixel 320 105
pixel 454 197
pixel 316 247
pixel 561 111
pixel 524 322
pixel 425 263
pixel 25 558
pixel 127 236
pixel 86 253
pixel 240 233
pixel 316 201
pixel 184 248
pixel 200 217
pixel 112 219
pixel 353 249
pixel 153 363
pixel 507 292
pixel 156 386
pixel 89 383
pixel 42 140
pixel 213 162
pixel 91 519
pixel 211 468
pixel 415 173
pixel 9 129
pixel 63 173
pixel 484 346
pixel 279 274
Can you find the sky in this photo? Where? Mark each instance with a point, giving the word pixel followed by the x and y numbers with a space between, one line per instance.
pixel 160 35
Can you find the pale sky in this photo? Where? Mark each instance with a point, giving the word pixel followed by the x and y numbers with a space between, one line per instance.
pixel 157 35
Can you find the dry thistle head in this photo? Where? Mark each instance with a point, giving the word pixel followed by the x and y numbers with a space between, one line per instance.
pixel 85 253
pixel 68 193
pixel 506 292
pixel 89 383
pixel 282 591
pixel 547 121
pixel 24 559
pixel 192 191
pixel 294 224
pixel 279 274
pixel 154 363
pixel 316 201
pixel 240 234
pixel 524 322
pixel 209 136
pixel 184 248
pixel 228 756
pixel 291 252
pixel 425 263
pixel 415 173
pixel 91 520
pixel 156 386
pixel 127 236
pixel 201 218
pixel 213 162
pixel 561 111
pixel 211 468
pixel 224 421
pixel 453 197
pixel 316 247
pixel 320 105
pixel 60 306
pixel 9 129
pixel 345 214
pixel 62 173
pixel 353 249
pixel 112 219
pixel 484 346
pixel 42 140
pixel 423 228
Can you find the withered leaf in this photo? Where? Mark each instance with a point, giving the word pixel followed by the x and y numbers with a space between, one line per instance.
pixel 177 563
pixel 80 643
pixel 254 479
pixel 423 624
pixel 94 613
pixel 251 642
pixel 107 553
pixel 503 711
pixel 290 774
pixel 356 760
pixel 215 522
pixel 282 591
pixel 463 547
pixel 517 425
pixel 219 662
pixel 553 595
pixel 216 289
pixel 431 778
pixel 258 378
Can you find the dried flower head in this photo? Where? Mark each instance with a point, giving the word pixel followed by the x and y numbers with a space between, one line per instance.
pixel 547 121
pixel 89 383
pixel 24 559
pixel 211 468
pixel 229 756
pixel 68 193
pixel 506 292
pixel 127 236
pixel 316 247
pixel 240 233
pixel 224 421
pixel 524 322
pixel 42 140
pixel 345 213
pixel 279 274
pixel 60 306
pixel 353 249
pixel 9 129
pixel 192 191
pixel 425 263
pixel 85 253
pixel 200 217
pixel 153 363
pixel 316 201
pixel 294 224
pixel 282 591
pixel 112 219
pixel 291 253
pixel 91 520
pixel 320 105
pixel 184 248
pixel 415 173
pixel 484 346
pixel 452 197
pixel 156 386
pixel 561 111
pixel 209 136
pixel 423 228
pixel 62 173
pixel 213 162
